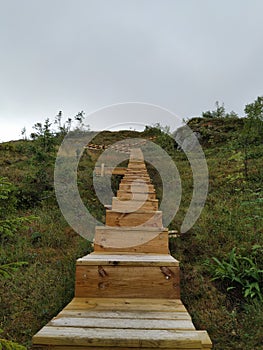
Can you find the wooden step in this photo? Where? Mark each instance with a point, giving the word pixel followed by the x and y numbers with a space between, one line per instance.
pixel 136 155
pixel 129 180
pixel 126 304
pixel 136 171
pixel 136 187
pixel 136 164
pixel 134 240
pixel 136 174
pixel 134 205
pixel 138 195
pixel 128 276
pixel 121 324
pixel 134 219
pixel 128 259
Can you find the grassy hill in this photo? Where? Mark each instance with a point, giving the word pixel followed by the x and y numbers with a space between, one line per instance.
pixel 221 255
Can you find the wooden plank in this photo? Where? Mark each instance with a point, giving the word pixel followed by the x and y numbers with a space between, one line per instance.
pixel 136 155
pixel 173 339
pixel 136 260
pixel 206 341
pixel 145 315
pixel 135 204
pixel 136 187
pixel 136 165
pixel 137 176
pixel 158 244
pixel 203 336
pixel 127 282
pixel 134 219
pixel 135 171
pixel 130 195
pixel 126 304
pixel 121 323
pixel 144 244
pixel 129 230
pixel 144 183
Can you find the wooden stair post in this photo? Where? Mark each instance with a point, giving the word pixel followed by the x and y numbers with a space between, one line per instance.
pixel 127 292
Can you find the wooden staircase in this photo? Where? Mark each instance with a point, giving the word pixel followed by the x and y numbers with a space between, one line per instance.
pixel 127 292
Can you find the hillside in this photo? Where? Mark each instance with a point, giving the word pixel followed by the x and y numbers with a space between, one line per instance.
pixel 221 255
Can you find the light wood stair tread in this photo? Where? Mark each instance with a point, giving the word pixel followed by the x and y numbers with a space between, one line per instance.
pixel 122 323
pixel 137 338
pixel 128 259
pixel 126 304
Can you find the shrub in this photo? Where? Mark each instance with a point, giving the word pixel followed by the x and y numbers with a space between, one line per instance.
pixel 9 222
pixel 9 345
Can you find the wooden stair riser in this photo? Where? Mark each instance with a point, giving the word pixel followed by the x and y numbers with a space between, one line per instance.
pixel 123 206
pixel 134 219
pixel 137 172
pixel 127 282
pixel 129 180
pixel 149 242
pixel 136 163
pixel 132 187
pixel 130 195
pixel 136 175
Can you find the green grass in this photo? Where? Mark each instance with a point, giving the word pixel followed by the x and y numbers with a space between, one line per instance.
pixel 232 217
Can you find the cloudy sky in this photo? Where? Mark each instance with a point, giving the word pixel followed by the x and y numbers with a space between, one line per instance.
pixel 73 55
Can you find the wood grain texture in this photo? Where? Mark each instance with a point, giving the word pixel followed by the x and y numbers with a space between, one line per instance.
pixel 136 338
pixel 131 241
pixel 121 323
pixel 141 171
pixel 136 187
pixel 135 176
pixel 136 165
pixel 134 219
pixel 127 282
pixel 131 205
pixel 126 304
pixel 145 315
pixel 130 195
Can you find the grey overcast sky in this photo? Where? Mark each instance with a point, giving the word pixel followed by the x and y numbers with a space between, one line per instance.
pixel 74 55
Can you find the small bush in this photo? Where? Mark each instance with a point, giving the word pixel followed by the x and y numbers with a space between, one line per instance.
pixel 8 345
pixel 240 272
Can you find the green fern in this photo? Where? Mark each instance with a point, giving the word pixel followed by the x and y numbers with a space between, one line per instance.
pixel 6 270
